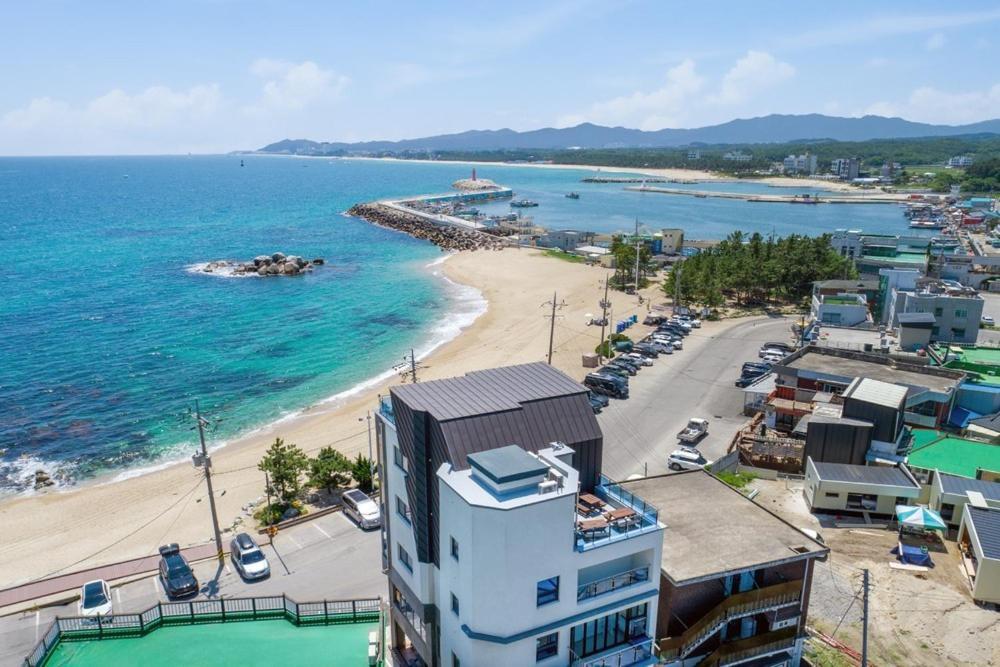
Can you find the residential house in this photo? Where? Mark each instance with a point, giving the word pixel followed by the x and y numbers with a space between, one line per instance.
pixel 503 545
pixel 949 495
pixel 565 239
pixel 735 580
pixel 957 309
pixel 841 487
pixel 843 309
pixel 979 542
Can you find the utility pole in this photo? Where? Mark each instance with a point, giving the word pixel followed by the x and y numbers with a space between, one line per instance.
pixel 206 464
pixel 637 258
pixel 677 285
pixel 864 631
pixel 408 369
pixel 555 303
pixel 371 461
pixel 271 530
pixel 604 321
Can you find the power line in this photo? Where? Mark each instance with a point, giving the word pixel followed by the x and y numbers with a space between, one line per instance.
pixel 556 304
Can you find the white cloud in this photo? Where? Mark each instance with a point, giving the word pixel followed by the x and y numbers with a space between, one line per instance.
pixel 683 99
pixel 294 86
pixel 931 105
pixel 867 28
pixel 751 73
pixel 154 107
pixel 935 41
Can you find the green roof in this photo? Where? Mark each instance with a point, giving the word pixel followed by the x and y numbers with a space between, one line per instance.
pixel 937 450
pixel 899 258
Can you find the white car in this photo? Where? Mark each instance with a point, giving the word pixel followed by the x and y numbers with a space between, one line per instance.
pixel 988 319
pixel 639 359
pixel 771 352
pixel 247 557
pixel 362 509
pixel 686 459
pixel 772 358
pixel 95 599
pixel 663 347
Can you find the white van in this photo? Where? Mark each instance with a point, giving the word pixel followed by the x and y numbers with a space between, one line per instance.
pixel 361 508
pixel 686 459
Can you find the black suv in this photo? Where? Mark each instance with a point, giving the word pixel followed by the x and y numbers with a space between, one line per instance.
pixel 175 573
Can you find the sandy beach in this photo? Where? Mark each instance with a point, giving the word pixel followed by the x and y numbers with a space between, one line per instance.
pixel 670 173
pixel 94 524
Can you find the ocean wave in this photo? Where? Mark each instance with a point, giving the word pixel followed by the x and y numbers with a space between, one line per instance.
pixel 17 476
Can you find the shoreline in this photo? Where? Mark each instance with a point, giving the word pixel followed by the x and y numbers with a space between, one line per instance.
pixel 114 520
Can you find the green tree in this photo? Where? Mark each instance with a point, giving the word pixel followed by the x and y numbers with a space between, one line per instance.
pixel 361 471
pixel 284 465
pixel 329 469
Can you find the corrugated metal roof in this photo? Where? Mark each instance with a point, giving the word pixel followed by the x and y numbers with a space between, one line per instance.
pixel 958 485
pixel 877 392
pixel 488 391
pixel 987 525
pixel 844 472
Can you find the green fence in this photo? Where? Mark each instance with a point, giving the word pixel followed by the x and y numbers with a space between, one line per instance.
pixel 222 610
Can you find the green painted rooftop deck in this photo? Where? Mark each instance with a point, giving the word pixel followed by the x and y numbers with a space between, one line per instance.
pixel 901 257
pixel 937 450
pixel 240 644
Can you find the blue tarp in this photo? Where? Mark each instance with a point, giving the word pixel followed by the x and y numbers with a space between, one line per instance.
pixel 960 417
pixel 913 555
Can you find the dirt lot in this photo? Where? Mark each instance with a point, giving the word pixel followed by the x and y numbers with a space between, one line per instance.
pixel 918 618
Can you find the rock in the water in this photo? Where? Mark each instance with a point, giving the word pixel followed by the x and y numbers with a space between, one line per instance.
pixel 273 270
pixel 318 261
pixel 42 479
pixel 261 259
pixel 277 264
pixel 289 268
pixel 278 257
pixel 262 270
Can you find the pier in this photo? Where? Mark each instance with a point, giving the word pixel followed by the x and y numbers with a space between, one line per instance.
pixel 629 179
pixel 826 198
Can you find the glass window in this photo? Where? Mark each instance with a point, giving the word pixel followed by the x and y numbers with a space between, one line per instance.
pixel 947 511
pixel 830 494
pixel 938 312
pixel 404 557
pixel 607 632
pixel 547 591
pixel 454 548
pixel 454 604
pixel 958 333
pixel 546 646
pixel 961 312
pixel 397 456
pixel 402 510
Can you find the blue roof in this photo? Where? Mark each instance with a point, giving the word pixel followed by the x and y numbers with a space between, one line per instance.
pixel 960 417
pixel 507 464
pixel 987 526
pixel 982 387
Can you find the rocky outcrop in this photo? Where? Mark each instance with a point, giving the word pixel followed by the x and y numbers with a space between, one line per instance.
pixel 445 237
pixel 278 264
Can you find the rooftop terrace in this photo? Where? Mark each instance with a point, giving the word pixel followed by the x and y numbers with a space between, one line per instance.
pixel 937 450
pixel 714 529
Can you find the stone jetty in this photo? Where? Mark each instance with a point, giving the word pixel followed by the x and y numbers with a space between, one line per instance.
pixel 278 264
pixel 443 236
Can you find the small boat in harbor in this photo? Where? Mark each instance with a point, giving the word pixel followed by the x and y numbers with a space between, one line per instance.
pixel 523 203
pixel 927 224
pixel 573 195
pixel 700 195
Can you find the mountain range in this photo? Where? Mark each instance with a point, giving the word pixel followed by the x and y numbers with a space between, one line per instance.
pixel 774 128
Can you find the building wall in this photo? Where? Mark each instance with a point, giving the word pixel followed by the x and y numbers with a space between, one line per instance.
pixel 673 241
pixel 987 586
pixel 503 554
pixel 951 325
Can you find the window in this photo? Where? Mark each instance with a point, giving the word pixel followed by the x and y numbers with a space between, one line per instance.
pixel 454 548
pixel 547 591
pixel 947 511
pixel 546 646
pixel 958 333
pixel 608 631
pixel 961 313
pixel 938 312
pixel 404 557
pixel 455 662
pixel 397 457
pixel 454 604
pixel 935 330
pixel 402 510
pixel 862 501
pixel 831 494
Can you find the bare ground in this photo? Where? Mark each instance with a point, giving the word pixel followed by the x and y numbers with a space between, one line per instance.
pixel 917 618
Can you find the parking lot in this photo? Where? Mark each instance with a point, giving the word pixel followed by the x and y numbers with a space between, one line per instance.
pixel 326 558
pixel 639 433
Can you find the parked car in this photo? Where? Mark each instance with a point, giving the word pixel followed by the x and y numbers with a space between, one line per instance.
pixel 626 367
pixel 748 379
pixel 988 319
pixel 686 459
pixel 696 429
pixel 95 599
pixel 772 352
pixel 247 557
pixel 755 366
pixel 361 508
pixel 638 358
pixel 595 405
pixel 606 384
pixel 663 347
pixel 652 319
pixel 175 574
pixel 784 347
pixel 628 361
pixel 600 398
pixel 647 350
pixel 672 328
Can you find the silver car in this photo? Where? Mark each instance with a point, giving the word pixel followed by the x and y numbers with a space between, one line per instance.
pixel 247 557
pixel 362 509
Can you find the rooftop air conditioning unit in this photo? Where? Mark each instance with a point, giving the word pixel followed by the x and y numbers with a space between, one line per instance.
pixel 550 486
pixel 557 477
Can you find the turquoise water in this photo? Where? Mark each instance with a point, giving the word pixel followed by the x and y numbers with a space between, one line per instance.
pixel 109 337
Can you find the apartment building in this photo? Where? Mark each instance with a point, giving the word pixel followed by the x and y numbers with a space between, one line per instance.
pixel 957 309
pixel 800 164
pixel 735 578
pixel 846 169
pixel 502 543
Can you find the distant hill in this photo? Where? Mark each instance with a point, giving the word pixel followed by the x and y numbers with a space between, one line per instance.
pixel 775 128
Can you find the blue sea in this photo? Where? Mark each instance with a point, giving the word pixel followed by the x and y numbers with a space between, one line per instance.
pixel 109 333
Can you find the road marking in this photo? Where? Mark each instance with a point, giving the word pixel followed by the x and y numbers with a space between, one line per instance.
pixel 328 535
pixel 156 586
pixel 118 596
pixel 294 541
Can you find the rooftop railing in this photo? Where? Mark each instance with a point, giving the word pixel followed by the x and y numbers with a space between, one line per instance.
pixel 385 408
pixel 613 583
pixel 221 610
pixel 644 520
pixel 638 652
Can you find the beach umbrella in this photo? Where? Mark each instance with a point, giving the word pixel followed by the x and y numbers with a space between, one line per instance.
pixel 919 517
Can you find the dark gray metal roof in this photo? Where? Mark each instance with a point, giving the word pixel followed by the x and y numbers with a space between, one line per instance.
pixel 916 318
pixel 958 485
pixel 987 525
pixel 844 472
pixel 488 391
pixel 506 464
pixel 991 422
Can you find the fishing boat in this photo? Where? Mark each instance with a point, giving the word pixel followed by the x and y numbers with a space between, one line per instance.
pixel 573 195
pixel 700 195
pixel 523 203
pixel 927 223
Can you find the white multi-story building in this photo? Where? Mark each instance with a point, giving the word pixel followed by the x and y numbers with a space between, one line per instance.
pixel 960 161
pixel 502 545
pixel 800 164
pixel 737 156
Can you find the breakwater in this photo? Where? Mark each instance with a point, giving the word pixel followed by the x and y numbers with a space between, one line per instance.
pixel 826 198
pixel 628 179
pixel 446 237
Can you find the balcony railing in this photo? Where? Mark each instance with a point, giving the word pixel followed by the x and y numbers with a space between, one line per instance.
pixel 385 408
pixel 731 608
pixel 613 583
pixel 635 653
pixel 744 650
pixel 643 521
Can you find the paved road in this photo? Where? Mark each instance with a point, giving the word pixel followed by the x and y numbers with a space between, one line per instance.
pixel 991 306
pixel 326 558
pixel 694 382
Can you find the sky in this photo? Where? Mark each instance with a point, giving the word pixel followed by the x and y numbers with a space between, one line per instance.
pixel 210 76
